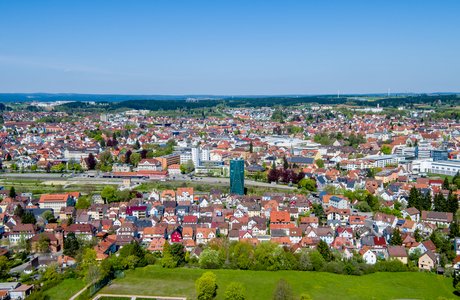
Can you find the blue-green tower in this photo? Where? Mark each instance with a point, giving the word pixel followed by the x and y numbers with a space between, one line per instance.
pixel 237 176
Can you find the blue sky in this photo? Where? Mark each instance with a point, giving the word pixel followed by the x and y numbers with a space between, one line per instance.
pixel 229 47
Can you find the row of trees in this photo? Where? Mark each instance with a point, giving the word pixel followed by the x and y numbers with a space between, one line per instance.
pixel 89 269
pixel 327 138
pixel 268 256
pixel 284 175
pixel 111 194
pixel 424 201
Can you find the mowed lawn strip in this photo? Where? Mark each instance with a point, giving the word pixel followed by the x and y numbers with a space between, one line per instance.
pixel 156 281
pixel 66 289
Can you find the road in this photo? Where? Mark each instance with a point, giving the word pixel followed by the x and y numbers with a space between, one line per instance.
pixel 68 179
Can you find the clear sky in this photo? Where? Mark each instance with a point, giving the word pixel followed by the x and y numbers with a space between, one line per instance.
pixel 229 47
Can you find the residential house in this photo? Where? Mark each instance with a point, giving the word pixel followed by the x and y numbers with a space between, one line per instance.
pixel 427 261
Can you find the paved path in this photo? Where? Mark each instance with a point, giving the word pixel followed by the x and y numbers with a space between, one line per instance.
pixel 133 297
pixel 81 291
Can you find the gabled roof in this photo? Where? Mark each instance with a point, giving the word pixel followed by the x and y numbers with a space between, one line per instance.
pixel 54 198
pixel 397 251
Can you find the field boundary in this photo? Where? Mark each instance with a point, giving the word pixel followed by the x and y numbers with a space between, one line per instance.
pixel 134 297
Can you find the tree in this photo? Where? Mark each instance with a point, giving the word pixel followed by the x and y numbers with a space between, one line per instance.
pixel 386 149
pixel 144 153
pixel 114 139
pixel 173 255
pixel 206 286
pixel 109 194
pixel 414 198
pixel 372 201
pixel 128 156
pixel 137 145
pixel 273 175
pixel 135 159
pixel 51 273
pixel 283 291
pixel 187 167
pixel 396 238
pixel 454 230
pixel 43 244
pixel 418 235
pixel 445 184
pixel 19 211
pixel 132 248
pixel 83 202
pixel 425 202
pixel 235 291
pixel 456 282
pixel 168 261
pixel 456 180
pixel 105 161
pixel 285 163
pixel 209 259
pixel 452 203
pixel 308 184
pixel 12 193
pixel 251 147
pixel 48 216
pixel 88 259
pixel 28 218
pixel 23 243
pixel 319 163
pixel 363 207
pixel 71 245
pixel 325 251
pixel 305 263
pixel 177 251
pixel 440 203
pixel 91 162
pixel 4 267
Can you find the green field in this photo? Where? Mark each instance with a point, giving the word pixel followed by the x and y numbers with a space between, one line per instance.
pixel 156 281
pixel 439 176
pixel 38 187
pixel 64 290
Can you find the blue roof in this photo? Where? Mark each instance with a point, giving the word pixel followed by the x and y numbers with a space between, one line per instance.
pixel 336 199
pixel 321 194
pixel 300 160
pixel 131 218
pixel 321 179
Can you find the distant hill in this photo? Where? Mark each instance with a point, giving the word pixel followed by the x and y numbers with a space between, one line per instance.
pixel 46 97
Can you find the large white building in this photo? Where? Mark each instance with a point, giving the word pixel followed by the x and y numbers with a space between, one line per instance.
pixel 443 167
pixel 380 161
pixel 54 201
pixel 423 150
pixel 199 155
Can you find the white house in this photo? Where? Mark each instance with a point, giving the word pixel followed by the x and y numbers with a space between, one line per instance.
pixel 368 256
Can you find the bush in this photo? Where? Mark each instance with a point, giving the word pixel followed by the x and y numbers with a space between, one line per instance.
pixel 235 291
pixel 209 259
pixel 206 286
pixel 283 291
pixel 390 266
pixel 334 267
